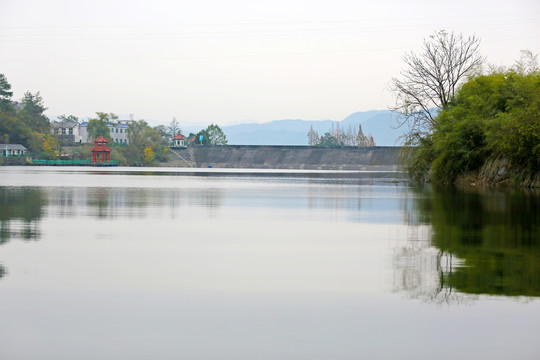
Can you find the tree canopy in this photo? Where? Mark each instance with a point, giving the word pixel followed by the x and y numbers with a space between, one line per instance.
pixel 98 126
pixel 212 135
pixel 216 135
pixel 493 116
pixel 33 112
pixel 5 94
pixel 27 125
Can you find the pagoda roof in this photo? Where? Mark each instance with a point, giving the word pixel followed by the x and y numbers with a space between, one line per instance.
pixel 101 145
pixel 101 139
pixel 179 137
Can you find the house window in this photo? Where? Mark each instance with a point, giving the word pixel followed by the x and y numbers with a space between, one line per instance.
pixel 56 131
pixel 70 131
pixel 63 131
pixel 112 129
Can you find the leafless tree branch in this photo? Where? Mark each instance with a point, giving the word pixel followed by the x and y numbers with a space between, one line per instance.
pixel 431 79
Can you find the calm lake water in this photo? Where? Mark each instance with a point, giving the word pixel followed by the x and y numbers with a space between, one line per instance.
pixel 170 264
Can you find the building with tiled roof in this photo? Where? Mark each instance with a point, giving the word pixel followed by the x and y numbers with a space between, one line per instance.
pixel 179 141
pixel 11 150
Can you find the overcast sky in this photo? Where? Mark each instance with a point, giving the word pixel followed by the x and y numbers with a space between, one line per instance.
pixel 234 61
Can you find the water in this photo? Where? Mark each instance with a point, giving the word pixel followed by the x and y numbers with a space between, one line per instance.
pixel 235 264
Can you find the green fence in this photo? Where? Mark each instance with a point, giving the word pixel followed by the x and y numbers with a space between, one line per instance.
pixel 73 163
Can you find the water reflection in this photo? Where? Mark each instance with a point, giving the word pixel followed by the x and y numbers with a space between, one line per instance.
pixel 111 203
pixel 476 243
pixel 21 210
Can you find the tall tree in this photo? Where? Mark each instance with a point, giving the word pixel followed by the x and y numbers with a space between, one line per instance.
pixel 141 136
pixel 431 79
pixel 98 126
pixel 173 128
pixel 5 94
pixel 313 137
pixel 33 112
pixel 164 133
pixel 216 136
pixel 361 139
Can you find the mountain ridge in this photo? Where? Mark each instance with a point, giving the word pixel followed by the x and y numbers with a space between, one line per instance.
pixel 381 124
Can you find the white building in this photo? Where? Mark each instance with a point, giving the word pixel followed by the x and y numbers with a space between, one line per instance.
pixel 78 133
pixel 66 131
pixel 10 150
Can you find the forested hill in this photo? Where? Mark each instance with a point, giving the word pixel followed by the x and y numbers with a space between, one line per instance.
pixel 378 123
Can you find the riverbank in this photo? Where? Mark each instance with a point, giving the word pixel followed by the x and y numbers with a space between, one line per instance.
pixel 498 173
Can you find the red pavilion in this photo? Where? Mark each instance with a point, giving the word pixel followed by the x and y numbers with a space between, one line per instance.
pixel 101 153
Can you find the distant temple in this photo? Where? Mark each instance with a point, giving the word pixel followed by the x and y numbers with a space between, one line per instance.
pixel 101 153
pixel 179 141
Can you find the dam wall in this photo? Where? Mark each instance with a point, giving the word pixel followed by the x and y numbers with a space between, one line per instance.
pixel 377 158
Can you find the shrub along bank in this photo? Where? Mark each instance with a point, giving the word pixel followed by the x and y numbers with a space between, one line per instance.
pixel 490 132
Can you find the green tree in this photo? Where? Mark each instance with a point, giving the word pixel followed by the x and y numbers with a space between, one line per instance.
pixel 216 136
pixel 33 112
pixel 329 139
pixel 5 95
pixel 141 136
pixel 203 134
pixel 164 133
pixel 99 126
pixel 495 116
pixel 71 119
pixel 26 126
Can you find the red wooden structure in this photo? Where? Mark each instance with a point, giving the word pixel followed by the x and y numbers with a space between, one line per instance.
pixel 101 153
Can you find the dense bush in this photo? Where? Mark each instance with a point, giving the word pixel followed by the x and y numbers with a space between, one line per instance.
pixel 492 116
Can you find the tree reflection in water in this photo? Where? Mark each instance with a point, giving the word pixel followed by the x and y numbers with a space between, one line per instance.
pixel 474 242
pixel 20 215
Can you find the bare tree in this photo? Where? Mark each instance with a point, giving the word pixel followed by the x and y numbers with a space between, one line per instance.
pixel 361 139
pixel 174 127
pixel 313 137
pixel 527 63
pixel 432 78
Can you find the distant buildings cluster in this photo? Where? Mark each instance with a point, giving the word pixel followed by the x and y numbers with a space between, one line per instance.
pixel 78 133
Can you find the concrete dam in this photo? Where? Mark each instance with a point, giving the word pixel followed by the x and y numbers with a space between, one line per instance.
pixel 377 158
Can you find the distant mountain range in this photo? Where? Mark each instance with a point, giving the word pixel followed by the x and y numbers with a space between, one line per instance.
pixel 381 124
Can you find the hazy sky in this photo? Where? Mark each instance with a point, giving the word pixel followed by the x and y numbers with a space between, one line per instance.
pixel 224 62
